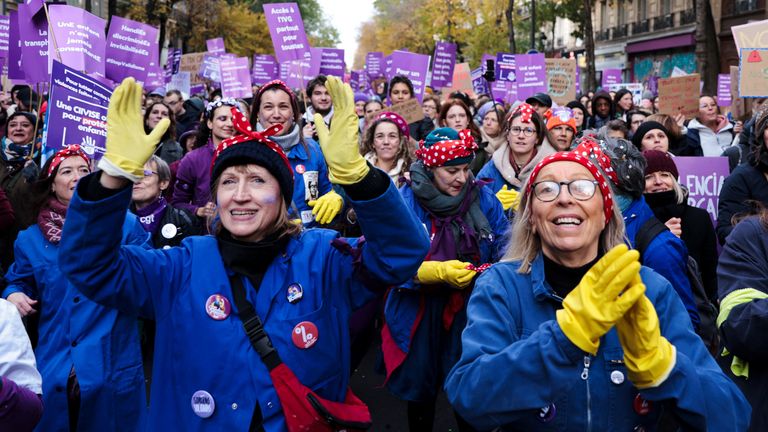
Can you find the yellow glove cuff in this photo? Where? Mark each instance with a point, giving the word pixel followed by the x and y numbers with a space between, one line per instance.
pixel 653 369
pixel 350 173
pixel 575 333
pixel 119 166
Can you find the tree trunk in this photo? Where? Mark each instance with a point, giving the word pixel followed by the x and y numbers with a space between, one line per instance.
pixel 589 46
pixel 707 50
pixel 511 25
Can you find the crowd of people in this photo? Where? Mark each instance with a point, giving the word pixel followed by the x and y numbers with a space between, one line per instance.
pixel 227 263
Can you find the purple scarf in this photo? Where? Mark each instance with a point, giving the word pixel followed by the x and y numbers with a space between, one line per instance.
pixel 151 215
pixel 51 218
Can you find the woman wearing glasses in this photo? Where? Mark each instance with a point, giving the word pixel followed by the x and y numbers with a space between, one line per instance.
pixel 569 332
pixel 512 163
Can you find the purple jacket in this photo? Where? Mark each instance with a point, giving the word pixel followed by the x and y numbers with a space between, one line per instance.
pixel 192 189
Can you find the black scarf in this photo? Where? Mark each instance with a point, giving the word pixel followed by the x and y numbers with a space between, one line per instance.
pixel 664 205
pixel 251 259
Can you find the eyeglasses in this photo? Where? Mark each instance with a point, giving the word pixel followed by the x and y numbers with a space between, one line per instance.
pixel 582 190
pixel 528 131
pixel 148 173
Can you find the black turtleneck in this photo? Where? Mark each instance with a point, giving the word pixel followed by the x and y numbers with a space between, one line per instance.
pixel 250 259
pixel 564 279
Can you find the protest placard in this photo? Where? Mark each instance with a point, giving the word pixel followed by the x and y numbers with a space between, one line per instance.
pixel 461 81
pixel 724 90
pixel 751 35
pixel 77 111
pixel 478 82
pixel 235 77
pixel 332 62
pixel 191 63
pixel 738 105
pixel 443 64
pixel 298 73
pixel 155 77
pixel 415 67
pixel 703 177
pixel 14 48
pixel 181 82
pixel 287 31
pixel 215 46
pixel 374 65
pixel 611 76
pixel 635 88
pixel 409 110
pixel 505 66
pixel 209 69
pixel 33 34
pixel 680 95
pixel 264 69
pixel 79 37
pixel 5 27
pixel 753 72
pixel 131 47
pixel 531 75
pixel 561 79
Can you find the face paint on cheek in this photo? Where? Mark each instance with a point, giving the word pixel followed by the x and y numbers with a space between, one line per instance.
pixel 271 199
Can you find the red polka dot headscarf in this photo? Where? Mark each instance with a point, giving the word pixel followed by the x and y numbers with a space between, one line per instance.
pixel 581 155
pixel 446 147
pixel 66 153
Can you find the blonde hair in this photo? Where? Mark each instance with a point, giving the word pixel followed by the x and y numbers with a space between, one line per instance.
pixel 524 245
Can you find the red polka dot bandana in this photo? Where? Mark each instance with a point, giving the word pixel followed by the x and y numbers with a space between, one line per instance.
pixel 272 84
pixel 579 158
pixel 247 133
pixel 67 152
pixel 526 110
pixel 588 147
pixel 445 151
pixel 399 122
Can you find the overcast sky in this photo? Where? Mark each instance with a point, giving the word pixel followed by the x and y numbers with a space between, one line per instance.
pixel 347 16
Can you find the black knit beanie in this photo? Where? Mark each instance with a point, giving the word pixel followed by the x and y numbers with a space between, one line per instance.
pixel 644 128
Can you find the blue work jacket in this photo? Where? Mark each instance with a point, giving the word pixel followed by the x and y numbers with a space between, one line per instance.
pixel 518 370
pixel 195 352
pixel 101 343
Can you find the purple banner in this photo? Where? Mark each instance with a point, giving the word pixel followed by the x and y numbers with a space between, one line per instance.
pixel 15 72
pixel 235 78
pixel 444 61
pixel 287 31
pixel 215 46
pixel 299 73
pixel 77 39
pixel 505 67
pixel 413 66
pixel 531 75
pixel 374 65
pixel 33 34
pixel 724 89
pixel 209 69
pixel 354 80
pixel 155 77
pixel 131 47
pixel 611 76
pixel 77 111
pixel 703 177
pixel 5 27
pixel 264 69
pixel 332 62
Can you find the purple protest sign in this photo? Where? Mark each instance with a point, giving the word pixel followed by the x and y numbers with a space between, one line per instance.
pixel 131 47
pixel 444 61
pixel 155 77
pixel 365 83
pixel 332 62
pixel 388 67
pixel 724 89
pixel 531 75
pixel 415 67
pixel 478 82
pixel 77 39
pixel 578 79
pixel 235 77
pixel 5 28
pixel 504 90
pixel 215 46
pixel 287 31
pixel 505 67
pixel 33 34
pixel 354 80
pixel 77 111
pixel 34 6
pixel 174 59
pixel 299 73
pixel 14 48
pixel 374 63
pixel 264 69
pixel 209 69
pixel 611 76
pixel 703 177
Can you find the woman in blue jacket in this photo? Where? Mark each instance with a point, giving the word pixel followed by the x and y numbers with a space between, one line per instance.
pixel 425 317
pixel 88 354
pixel 569 332
pixel 298 287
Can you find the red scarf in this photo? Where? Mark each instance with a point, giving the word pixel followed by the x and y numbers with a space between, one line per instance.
pixel 51 218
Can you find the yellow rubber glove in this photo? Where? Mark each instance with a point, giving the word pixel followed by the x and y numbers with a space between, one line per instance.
pixel 453 272
pixel 326 207
pixel 509 198
pixel 648 355
pixel 594 306
pixel 340 147
pixel 128 147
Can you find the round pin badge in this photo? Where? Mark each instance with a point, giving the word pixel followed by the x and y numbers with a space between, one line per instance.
pixel 547 413
pixel 300 169
pixel 203 404
pixel 305 334
pixel 169 231
pixel 217 307
pixel 617 377
pixel 641 405
pixel 295 293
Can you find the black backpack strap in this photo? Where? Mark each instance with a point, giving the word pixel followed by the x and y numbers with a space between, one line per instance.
pixel 647 232
pixel 258 337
